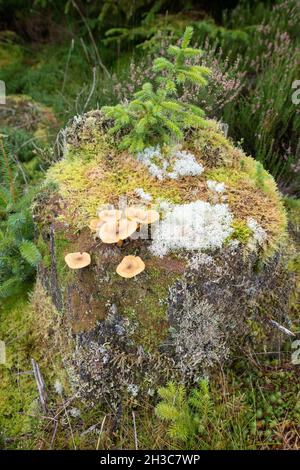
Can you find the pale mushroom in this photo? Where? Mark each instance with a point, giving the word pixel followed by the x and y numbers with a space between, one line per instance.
pixel 110 215
pixel 142 216
pixel 95 224
pixel 130 266
pixel 78 260
pixel 113 232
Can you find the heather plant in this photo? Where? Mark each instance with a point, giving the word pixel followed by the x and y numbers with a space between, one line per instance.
pixel 225 82
pixel 156 114
pixel 266 117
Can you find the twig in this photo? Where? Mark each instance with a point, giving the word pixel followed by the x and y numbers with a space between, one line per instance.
pixel 85 50
pixel 100 432
pixel 20 166
pixel 40 384
pixel 282 328
pixel 24 372
pixel 54 434
pixel 68 419
pixel 134 430
pixel 92 89
pixel 92 39
pixel 67 64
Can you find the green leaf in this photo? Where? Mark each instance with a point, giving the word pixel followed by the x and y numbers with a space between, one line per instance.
pixel 30 253
pixel 9 287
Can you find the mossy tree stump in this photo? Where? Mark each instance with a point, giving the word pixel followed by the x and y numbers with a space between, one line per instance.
pixel 189 309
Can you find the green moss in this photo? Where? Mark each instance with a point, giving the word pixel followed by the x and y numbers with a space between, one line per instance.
pixel 248 170
pixel 240 232
pixel 94 173
pixel 44 250
pixel 18 392
pixel 61 248
pixel 87 179
pixel 144 301
pixel 30 329
pixel 211 137
pixel 252 192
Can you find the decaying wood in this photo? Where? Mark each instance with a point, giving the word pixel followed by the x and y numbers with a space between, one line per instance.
pixel 282 328
pixel 55 290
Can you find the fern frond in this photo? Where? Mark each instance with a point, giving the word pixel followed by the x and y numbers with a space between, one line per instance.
pixel 30 253
pixel 9 287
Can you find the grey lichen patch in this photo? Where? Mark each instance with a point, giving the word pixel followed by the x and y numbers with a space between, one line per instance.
pixel 107 361
pixel 196 331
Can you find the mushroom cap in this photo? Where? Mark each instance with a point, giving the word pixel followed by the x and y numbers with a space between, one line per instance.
pixel 94 224
pixel 130 266
pixel 112 232
pixel 142 216
pixel 110 215
pixel 78 260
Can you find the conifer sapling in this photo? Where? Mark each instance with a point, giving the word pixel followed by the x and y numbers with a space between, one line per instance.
pixel 156 115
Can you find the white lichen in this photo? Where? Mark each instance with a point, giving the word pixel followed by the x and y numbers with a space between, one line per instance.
pixel 200 259
pixel 215 186
pixel 75 412
pixel 58 387
pixel 259 235
pixel 143 195
pixel 198 225
pixel 164 205
pixel 178 164
pixel 133 389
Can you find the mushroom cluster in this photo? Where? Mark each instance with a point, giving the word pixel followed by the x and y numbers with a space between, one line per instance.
pixel 112 226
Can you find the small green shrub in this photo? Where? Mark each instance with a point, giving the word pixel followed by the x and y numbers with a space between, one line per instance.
pixel 199 420
pixel 156 115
